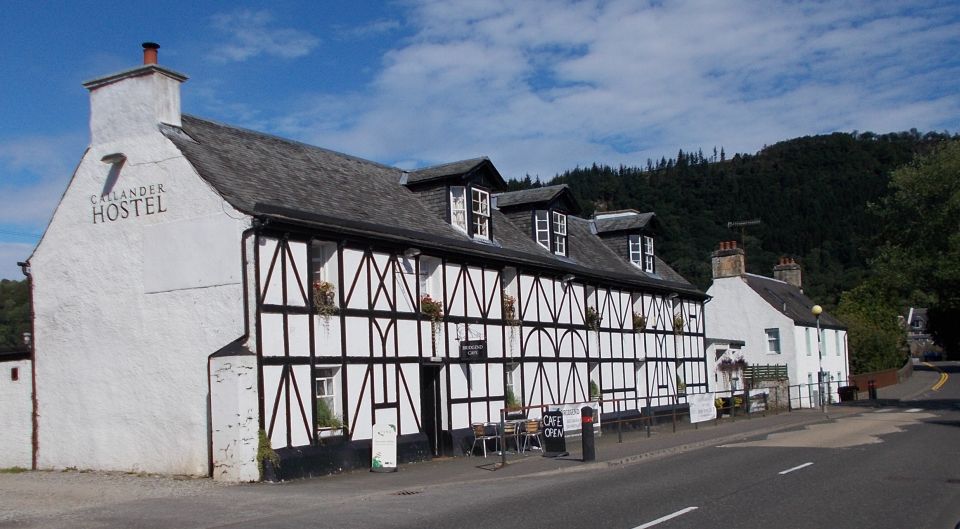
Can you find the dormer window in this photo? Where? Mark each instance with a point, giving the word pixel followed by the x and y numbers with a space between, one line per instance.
pixel 458 208
pixel 559 233
pixel 641 252
pixel 476 220
pixel 648 254
pixel 542 228
pixel 481 213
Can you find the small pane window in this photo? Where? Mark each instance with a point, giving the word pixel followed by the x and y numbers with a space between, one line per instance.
pixel 773 341
pixel 542 228
pixel 648 254
pixel 458 208
pixel 481 213
pixel 326 386
pixel 559 233
pixel 636 252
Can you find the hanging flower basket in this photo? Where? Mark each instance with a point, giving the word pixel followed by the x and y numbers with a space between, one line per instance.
pixel 324 299
pixel 510 310
pixel 432 308
pixel 592 319
pixel 678 324
pixel 639 322
pixel 729 365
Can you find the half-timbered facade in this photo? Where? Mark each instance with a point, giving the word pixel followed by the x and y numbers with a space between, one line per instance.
pixel 361 294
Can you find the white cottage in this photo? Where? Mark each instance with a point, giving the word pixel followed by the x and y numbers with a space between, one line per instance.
pixel 771 323
pixel 199 283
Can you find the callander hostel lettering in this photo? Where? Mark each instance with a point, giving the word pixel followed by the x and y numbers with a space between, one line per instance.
pixel 127 203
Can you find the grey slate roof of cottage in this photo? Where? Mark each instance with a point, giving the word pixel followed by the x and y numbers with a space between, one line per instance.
pixel 301 184
pixel 790 301
pixel 444 170
pixel 624 222
pixel 535 195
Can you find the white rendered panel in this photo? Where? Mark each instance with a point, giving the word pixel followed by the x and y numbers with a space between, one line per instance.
pixel 461 415
pixel 272 270
pixel 326 336
pixel 298 278
pixel 459 387
pixel 355 279
pixel 407 335
pixel 358 336
pixel 298 327
pixel 300 431
pixel 410 398
pixel 272 334
pixel 359 401
pixel 382 289
pixel 453 305
pixel 271 385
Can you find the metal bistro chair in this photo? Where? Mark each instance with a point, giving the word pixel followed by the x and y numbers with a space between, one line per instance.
pixel 511 430
pixel 531 430
pixel 481 434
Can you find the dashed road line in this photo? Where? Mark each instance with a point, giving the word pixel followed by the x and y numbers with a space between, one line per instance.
pixel 914 410
pixel 660 520
pixel 798 467
pixel 884 410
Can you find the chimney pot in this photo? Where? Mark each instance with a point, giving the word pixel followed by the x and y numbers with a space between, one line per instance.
pixel 150 52
pixel 733 245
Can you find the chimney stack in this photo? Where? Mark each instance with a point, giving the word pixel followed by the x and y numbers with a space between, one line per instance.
pixel 788 271
pixel 150 52
pixel 728 261
pixel 133 103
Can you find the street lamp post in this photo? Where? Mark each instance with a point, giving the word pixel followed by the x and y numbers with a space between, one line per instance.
pixel 816 310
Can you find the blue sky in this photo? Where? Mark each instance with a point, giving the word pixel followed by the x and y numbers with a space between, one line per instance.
pixel 539 86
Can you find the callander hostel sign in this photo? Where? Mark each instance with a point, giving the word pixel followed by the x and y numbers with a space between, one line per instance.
pixel 127 203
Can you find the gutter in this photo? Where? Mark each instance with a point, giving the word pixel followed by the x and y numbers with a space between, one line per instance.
pixel 35 418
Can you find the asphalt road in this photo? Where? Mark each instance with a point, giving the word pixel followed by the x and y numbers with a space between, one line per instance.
pixel 896 466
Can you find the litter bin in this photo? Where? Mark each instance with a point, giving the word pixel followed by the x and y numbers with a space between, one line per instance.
pixel 848 393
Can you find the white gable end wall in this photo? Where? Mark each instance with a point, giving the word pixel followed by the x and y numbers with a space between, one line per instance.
pixel 136 283
pixel 737 312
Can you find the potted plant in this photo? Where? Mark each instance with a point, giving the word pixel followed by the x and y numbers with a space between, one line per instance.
pixel 639 322
pixel 678 324
pixel 511 403
pixel 268 462
pixel 433 309
pixel 327 421
pixel 594 390
pixel 592 319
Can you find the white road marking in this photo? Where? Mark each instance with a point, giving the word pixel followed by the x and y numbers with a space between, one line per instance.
pixel 798 467
pixel 658 521
pixel 914 410
pixel 885 410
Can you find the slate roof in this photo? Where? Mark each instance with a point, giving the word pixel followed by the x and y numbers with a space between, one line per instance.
pixel 790 301
pixel 624 222
pixel 292 182
pixel 535 195
pixel 437 172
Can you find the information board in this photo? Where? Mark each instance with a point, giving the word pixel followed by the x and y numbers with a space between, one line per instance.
pixel 702 407
pixel 554 443
pixel 384 450
pixel 571 416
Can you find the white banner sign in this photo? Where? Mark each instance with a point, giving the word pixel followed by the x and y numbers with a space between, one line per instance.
pixel 702 407
pixel 571 416
pixel 384 448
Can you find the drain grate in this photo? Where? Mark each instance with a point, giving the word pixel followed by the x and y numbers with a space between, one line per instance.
pixel 407 492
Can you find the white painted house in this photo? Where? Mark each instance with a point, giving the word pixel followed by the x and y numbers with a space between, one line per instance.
pixel 200 282
pixel 771 320
pixel 16 408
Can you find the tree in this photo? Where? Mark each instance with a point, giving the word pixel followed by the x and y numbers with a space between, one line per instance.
pixel 920 258
pixel 874 333
pixel 14 313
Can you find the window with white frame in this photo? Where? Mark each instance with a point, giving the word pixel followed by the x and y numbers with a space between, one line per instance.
pixel 836 335
pixel 542 228
pixel 458 207
pixel 326 379
pixel 773 340
pixel 648 254
pixel 822 345
pixel 636 251
pixel 559 233
pixel 480 200
pixel 809 335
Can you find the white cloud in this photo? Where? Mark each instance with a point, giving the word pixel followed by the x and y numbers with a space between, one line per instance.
pixel 544 85
pixel 251 34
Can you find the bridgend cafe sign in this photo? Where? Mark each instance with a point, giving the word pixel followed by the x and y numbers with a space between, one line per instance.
pixel 126 203
pixel 473 349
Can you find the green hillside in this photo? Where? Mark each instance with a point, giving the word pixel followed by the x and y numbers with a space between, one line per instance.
pixel 811 195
